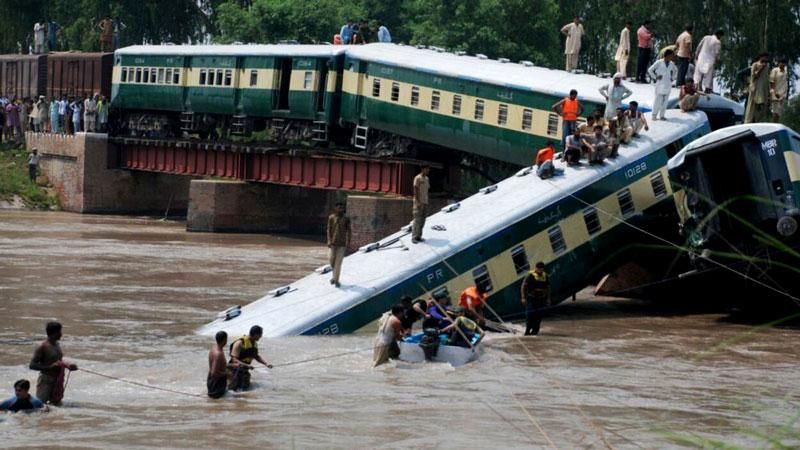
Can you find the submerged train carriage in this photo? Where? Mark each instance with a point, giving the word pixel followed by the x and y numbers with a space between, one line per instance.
pixel 574 223
pixel 497 109
pixel 739 202
pixel 166 90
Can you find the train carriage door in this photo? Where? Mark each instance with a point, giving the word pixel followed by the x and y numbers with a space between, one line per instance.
pixel 322 83
pixel 73 72
pixel 10 77
pixel 283 79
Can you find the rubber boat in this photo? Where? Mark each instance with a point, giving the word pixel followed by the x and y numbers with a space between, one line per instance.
pixel 412 351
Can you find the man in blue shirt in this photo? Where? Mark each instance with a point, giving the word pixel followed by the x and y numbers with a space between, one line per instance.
pixel 22 400
pixel 347 32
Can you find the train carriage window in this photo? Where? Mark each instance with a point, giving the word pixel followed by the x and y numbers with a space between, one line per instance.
pixel 626 202
pixel 591 220
pixel 657 182
pixel 502 115
pixel 442 292
pixel 202 77
pixel 253 78
pixel 176 77
pixel 395 91
pixel 308 79
pixel 146 76
pixel 376 87
pixel 527 119
pixel 220 75
pixel 457 105
pixel 168 79
pixel 520 259
pixel 557 240
pixel 478 109
pixel 153 75
pixel 160 76
pixel 414 96
pixel 552 124
pixel 435 98
pixel 228 77
pixel 482 278
pixel 138 74
pixel 123 77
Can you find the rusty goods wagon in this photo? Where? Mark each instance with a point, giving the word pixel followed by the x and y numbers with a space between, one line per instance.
pixel 23 76
pixel 79 74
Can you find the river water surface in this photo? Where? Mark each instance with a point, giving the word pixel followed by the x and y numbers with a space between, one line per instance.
pixel 604 373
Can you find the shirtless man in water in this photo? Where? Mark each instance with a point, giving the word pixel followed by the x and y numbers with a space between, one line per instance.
pixel 48 360
pixel 217 382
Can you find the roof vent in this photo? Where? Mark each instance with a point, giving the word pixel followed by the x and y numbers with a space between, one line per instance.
pixel 280 291
pixel 526 63
pixel 578 72
pixel 324 269
pixel 237 43
pixel 451 207
pixel 488 189
pixel 440 50
pixel 481 56
pixel 420 46
pixel 525 171
pixel 461 53
pixel 370 247
pixel 604 75
pixel 504 60
pixel 230 313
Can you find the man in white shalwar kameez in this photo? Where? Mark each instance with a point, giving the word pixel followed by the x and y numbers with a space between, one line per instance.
pixel 664 72
pixel 623 50
pixel 574 32
pixel 614 93
pixel 707 55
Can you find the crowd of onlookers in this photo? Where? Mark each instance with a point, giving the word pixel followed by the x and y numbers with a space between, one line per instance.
pixel 360 32
pixel 67 115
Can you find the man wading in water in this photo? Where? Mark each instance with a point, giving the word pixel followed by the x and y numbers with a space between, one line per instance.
pixel 47 359
pixel 217 367
pixel 243 351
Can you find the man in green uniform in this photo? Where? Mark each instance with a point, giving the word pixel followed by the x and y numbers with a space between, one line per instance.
pixel 535 295
pixel 243 351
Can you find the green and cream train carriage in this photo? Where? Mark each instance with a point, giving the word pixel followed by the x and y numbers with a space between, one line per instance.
pixel 575 223
pixel 160 91
pixel 495 108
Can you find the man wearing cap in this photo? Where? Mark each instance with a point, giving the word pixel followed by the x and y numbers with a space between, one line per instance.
pixel 421 187
pixel 614 93
pixel 535 294
pixel 462 330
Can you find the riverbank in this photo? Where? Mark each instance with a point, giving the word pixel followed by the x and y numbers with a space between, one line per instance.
pixel 16 190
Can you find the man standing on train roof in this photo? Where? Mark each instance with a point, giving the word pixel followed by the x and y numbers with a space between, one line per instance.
pixel 339 234
pixel 383 34
pixel 572 47
pixel 707 55
pixel 614 93
pixel 472 300
pixel 243 351
pixel 623 50
pixel 22 400
pixel 569 108
pixel 779 89
pixel 644 38
pixel 217 380
pixel 106 27
pixel 758 95
pixel 544 161
pixel 683 47
pixel 420 208
pixel 664 72
pixel 535 295
pixel 48 360
pixel 39 29
pixel 346 33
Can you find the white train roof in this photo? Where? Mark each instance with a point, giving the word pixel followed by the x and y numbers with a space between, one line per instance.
pixel 232 50
pixel 312 300
pixel 759 129
pixel 514 75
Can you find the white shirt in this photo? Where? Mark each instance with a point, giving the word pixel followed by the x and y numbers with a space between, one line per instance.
pixel 664 75
pixel 781 83
pixel 614 95
pixel 624 46
pixel 574 34
pixel 33 160
pixel 707 53
pixel 38 32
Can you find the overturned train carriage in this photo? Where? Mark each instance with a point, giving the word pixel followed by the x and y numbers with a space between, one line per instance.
pixel 164 91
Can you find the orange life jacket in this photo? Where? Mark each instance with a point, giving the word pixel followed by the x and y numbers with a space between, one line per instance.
pixel 471 292
pixel 569 109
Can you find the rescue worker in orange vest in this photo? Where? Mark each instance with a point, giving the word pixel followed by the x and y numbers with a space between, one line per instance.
pixel 544 161
pixel 569 109
pixel 472 300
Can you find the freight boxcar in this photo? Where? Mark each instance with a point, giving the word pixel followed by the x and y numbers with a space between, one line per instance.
pixel 23 76
pixel 79 74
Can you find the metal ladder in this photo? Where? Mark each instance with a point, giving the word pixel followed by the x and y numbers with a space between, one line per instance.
pixel 239 125
pixel 187 121
pixel 360 140
pixel 320 131
pixel 276 127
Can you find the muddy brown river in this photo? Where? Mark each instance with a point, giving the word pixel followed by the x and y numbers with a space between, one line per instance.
pixel 604 373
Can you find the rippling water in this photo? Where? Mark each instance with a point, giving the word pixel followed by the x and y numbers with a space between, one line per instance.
pixel 130 293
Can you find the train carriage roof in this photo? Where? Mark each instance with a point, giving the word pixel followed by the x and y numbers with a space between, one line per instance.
pixel 232 50
pixel 512 75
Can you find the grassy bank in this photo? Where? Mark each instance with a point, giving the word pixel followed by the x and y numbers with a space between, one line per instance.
pixel 14 180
